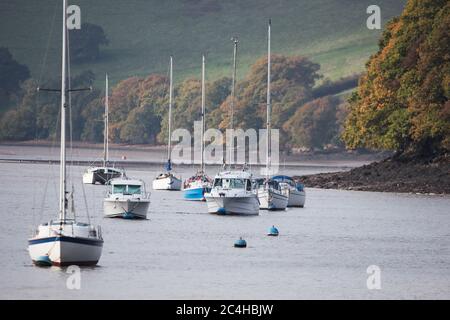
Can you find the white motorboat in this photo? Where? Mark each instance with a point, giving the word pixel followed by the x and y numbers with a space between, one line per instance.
pixel 295 190
pixel 102 174
pixel 167 180
pixel 198 185
pixel 65 241
pixel 127 198
pixel 270 195
pixel 233 194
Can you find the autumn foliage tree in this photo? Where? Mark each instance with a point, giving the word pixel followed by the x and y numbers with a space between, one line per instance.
pixel 291 85
pixel 402 99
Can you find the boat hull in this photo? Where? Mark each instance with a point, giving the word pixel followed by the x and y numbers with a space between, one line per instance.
pixel 169 183
pixel 271 200
pixel 195 194
pixel 65 251
pixel 248 205
pixel 126 208
pixel 296 198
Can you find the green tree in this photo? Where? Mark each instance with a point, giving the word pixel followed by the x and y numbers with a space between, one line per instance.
pixel 315 124
pixel 85 42
pixel 12 74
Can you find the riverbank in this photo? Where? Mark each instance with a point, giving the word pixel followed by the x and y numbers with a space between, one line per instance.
pixel 430 176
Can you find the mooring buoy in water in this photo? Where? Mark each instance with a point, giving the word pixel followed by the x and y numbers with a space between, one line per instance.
pixel 43 261
pixel 273 232
pixel 241 243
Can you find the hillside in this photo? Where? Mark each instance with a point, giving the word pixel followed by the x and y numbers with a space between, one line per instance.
pixel 143 33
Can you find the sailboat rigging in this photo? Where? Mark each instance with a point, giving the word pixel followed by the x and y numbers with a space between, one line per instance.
pixel 65 241
pixel 199 184
pixel 102 174
pixel 167 180
pixel 270 195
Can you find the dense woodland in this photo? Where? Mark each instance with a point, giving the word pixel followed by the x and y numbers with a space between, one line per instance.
pixel 401 101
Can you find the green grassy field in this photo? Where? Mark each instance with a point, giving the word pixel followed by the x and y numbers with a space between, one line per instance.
pixel 143 33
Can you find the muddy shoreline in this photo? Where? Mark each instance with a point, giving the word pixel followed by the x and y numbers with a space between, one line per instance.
pixel 422 176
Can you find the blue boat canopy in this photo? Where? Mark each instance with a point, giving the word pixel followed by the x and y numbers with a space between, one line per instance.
pixel 282 178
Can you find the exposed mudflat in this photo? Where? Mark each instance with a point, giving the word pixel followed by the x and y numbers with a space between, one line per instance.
pixel 390 175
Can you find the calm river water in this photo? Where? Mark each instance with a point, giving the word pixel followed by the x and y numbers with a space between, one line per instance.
pixel 182 252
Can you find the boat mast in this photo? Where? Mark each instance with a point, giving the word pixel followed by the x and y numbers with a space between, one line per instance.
pixel 106 130
pixel 268 160
pixel 170 111
pixel 233 94
pixel 203 116
pixel 62 174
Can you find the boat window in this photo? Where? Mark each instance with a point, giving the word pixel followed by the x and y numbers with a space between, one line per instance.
pixel 238 183
pixel 249 185
pixel 134 189
pixel 119 188
pixel 218 183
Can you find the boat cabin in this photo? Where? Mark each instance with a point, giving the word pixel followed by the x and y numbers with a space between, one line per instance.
pixel 127 187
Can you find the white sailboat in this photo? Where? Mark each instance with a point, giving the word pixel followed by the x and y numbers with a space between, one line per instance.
pixel 199 184
pixel 65 241
pixel 270 195
pixel 295 191
pixel 233 191
pixel 102 174
pixel 127 198
pixel 167 180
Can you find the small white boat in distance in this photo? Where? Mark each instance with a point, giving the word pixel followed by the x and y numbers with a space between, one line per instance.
pixel 102 174
pixel 295 190
pixel 233 194
pixel 271 196
pixel 127 198
pixel 167 180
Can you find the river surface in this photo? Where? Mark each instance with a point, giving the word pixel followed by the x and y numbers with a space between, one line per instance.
pixel 182 252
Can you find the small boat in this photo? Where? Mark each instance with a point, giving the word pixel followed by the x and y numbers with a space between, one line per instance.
pixel 127 198
pixel 270 195
pixel 102 174
pixel 295 190
pixel 65 241
pixel 167 180
pixel 198 185
pixel 233 194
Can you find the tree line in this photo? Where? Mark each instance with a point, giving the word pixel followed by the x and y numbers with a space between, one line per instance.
pixel 401 101
pixel 139 107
